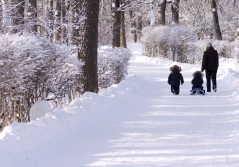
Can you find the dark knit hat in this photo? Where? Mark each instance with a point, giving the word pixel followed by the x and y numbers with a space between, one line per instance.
pixel 209 44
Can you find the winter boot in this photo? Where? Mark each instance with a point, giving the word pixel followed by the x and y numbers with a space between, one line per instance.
pixel 214 88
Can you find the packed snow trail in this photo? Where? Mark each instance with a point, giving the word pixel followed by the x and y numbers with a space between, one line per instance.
pixel 169 130
pixel 138 122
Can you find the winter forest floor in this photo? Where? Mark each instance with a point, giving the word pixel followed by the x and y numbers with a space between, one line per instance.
pixel 138 122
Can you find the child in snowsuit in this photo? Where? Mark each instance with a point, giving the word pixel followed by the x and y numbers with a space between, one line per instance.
pixel 174 79
pixel 197 80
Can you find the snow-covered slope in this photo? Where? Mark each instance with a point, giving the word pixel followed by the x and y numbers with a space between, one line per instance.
pixel 138 122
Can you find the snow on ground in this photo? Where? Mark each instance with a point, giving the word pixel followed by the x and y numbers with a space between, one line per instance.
pixel 138 122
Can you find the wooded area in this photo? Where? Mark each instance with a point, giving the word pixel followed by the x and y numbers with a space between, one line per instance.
pixel 59 29
pixel 62 21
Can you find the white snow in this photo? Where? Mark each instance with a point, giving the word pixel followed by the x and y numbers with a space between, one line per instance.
pixel 39 109
pixel 138 122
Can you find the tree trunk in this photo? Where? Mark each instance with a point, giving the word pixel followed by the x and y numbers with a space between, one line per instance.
pixel 20 12
pixel 32 14
pixel 175 11
pixel 122 31
pixel 139 26
pixel 16 14
pixel 63 22
pixel 88 49
pixel 153 14
pixel 116 23
pixel 77 20
pixel 234 2
pixel 215 20
pixel 44 19
pixel 133 25
pixel 57 21
pixel 162 9
pixel 71 22
pixel 50 17
pixel 5 13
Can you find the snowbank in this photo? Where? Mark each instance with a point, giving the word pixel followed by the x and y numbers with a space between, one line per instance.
pixel 135 123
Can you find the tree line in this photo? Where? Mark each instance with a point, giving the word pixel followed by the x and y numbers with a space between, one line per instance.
pixel 80 27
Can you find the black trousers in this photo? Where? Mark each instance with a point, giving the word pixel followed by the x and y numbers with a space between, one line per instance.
pixel 211 75
pixel 175 89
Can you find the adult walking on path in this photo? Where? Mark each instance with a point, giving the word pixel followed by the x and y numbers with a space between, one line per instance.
pixel 136 123
pixel 210 64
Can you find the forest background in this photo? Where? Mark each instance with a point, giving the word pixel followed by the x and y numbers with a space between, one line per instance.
pixel 56 50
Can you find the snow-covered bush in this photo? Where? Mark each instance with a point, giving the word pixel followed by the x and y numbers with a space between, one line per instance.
pixel 112 65
pixel 196 50
pixel 168 41
pixel 180 43
pixel 236 53
pixel 224 48
pixel 31 68
pixel 34 69
pixel 180 36
pixel 156 40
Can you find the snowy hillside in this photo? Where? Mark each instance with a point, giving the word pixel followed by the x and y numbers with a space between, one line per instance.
pixel 138 122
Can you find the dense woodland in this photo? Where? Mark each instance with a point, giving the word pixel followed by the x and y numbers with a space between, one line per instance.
pixel 50 48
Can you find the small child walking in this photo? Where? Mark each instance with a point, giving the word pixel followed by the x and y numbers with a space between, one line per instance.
pixel 197 80
pixel 174 79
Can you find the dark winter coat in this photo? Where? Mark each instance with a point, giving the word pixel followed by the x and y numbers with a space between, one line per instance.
pixel 210 59
pixel 175 76
pixel 197 79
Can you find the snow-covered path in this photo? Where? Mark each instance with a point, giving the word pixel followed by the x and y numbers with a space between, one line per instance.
pixel 136 123
pixel 169 130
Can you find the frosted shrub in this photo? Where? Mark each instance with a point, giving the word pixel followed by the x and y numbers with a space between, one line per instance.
pixel 34 69
pixel 112 66
pixel 180 36
pixel 156 41
pixel 196 50
pixel 31 68
pixel 170 42
pixel 236 53
pixel 224 48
